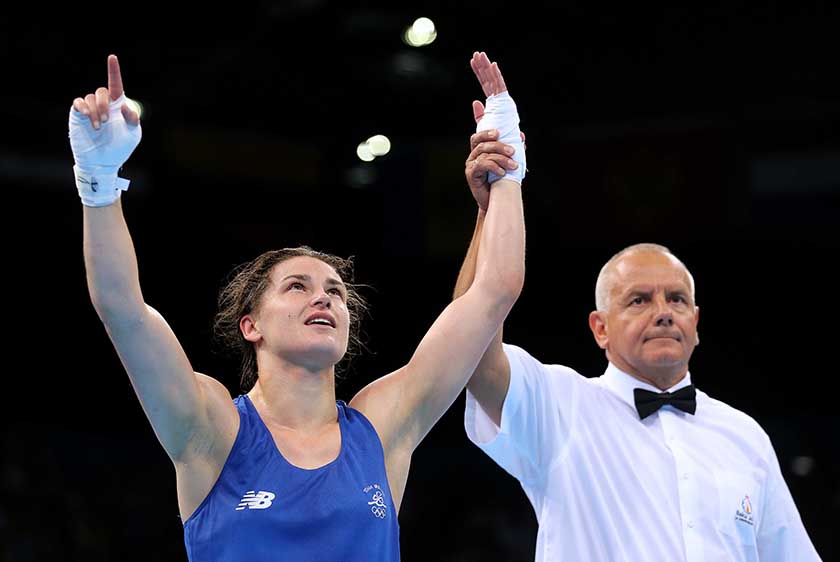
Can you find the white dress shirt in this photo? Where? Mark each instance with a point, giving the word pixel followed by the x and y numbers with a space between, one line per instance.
pixel 609 487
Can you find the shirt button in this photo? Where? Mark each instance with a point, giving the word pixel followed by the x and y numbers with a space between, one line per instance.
pixel 691 524
pixel 685 476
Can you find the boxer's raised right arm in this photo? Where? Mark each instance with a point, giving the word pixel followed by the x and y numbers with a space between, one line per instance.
pixel 188 411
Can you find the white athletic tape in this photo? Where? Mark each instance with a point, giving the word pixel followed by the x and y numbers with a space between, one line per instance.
pixel 100 153
pixel 500 113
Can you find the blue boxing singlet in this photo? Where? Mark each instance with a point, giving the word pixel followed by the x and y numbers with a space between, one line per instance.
pixel 262 508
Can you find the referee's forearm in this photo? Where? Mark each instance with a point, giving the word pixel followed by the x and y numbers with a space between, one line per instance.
pixel 467 273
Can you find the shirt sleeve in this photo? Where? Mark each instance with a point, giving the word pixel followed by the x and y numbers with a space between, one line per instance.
pixel 781 535
pixel 536 418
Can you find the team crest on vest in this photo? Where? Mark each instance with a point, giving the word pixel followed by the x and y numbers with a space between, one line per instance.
pixel 745 513
pixel 256 500
pixel 376 500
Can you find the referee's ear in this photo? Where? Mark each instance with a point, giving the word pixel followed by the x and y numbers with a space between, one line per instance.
pixel 696 321
pixel 598 325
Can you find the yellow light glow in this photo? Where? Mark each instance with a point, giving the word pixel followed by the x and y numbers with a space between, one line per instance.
pixel 423 26
pixel 420 33
pixel 410 37
pixel 379 145
pixel 135 106
pixel 364 153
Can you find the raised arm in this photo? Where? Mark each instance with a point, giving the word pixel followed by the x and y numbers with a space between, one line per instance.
pixel 405 405
pixel 491 378
pixel 183 407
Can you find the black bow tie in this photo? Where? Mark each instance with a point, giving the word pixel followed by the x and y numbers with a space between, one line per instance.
pixel 648 402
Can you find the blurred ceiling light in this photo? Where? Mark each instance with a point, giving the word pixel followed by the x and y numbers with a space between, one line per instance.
pixel 364 153
pixel 379 145
pixel 424 26
pixel 420 33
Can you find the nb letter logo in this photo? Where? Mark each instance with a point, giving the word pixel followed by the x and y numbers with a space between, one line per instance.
pixel 255 500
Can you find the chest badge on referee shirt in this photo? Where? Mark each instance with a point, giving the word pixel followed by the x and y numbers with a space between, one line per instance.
pixel 376 500
pixel 744 514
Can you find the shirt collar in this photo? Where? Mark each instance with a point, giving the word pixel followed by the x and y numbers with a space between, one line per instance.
pixel 623 384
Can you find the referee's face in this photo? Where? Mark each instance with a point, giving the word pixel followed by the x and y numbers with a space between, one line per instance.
pixel 650 327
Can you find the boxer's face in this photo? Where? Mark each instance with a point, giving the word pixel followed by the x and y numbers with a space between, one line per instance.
pixel 302 316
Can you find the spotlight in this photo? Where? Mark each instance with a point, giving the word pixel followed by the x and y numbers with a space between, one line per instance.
pixel 420 33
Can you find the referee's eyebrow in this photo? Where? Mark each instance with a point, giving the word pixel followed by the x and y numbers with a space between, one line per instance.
pixel 647 292
pixel 637 291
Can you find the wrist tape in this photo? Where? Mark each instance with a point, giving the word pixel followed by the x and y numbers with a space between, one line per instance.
pixel 500 113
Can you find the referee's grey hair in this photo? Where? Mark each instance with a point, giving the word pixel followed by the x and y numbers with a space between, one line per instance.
pixel 603 286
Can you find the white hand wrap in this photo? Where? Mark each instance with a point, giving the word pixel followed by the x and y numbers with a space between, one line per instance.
pixel 500 113
pixel 99 154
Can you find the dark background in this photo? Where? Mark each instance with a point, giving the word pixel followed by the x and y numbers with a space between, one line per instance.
pixel 712 130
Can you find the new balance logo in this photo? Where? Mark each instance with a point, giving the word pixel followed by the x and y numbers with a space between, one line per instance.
pixel 255 500
pixel 93 184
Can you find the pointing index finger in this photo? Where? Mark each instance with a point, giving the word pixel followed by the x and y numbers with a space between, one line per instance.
pixel 115 85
